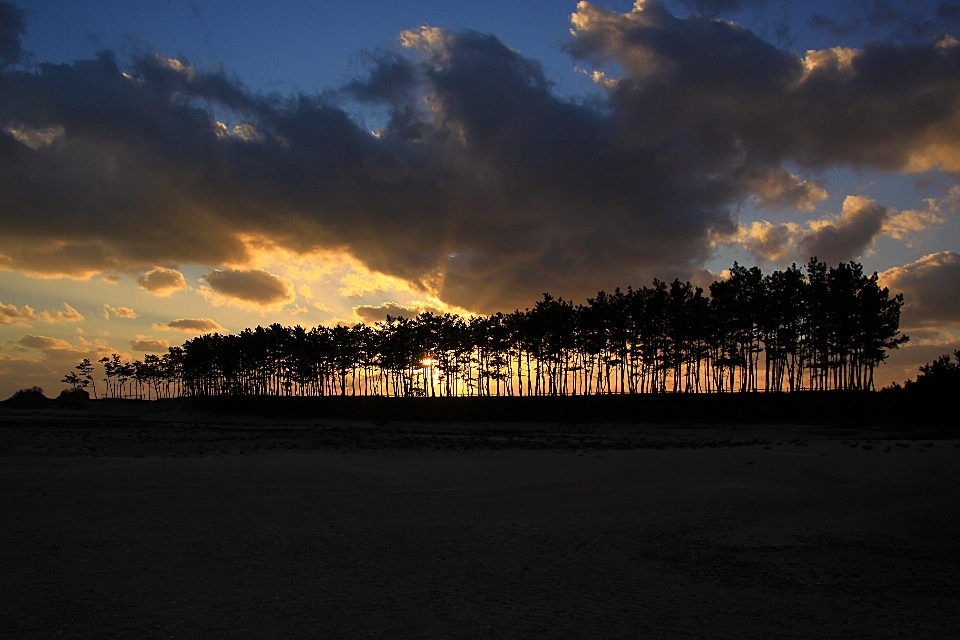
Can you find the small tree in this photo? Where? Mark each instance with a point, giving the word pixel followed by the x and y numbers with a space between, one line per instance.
pixel 108 372
pixel 86 373
pixel 940 375
pixel 73 380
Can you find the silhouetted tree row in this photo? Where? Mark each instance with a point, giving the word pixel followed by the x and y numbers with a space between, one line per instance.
pixel 940 377
pixel 819 328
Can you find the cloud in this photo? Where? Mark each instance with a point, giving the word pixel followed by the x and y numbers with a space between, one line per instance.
pixel 906 223
pixel 162 282
pixel 779 189
pixel 844 238
pixel 35 138
pixel 768 242
pixel 251 285
pixel 931 290
pixel 144 344
pixel 379 313
pixel 9 313
pixel 191 325
pixel 357 284
pixel 44 343
pixel 120 312
pixel 69 314
pixel 722 83
pixel 840 238
pixel 484 187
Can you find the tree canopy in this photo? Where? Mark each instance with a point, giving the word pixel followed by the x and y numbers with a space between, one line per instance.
pixel 816 328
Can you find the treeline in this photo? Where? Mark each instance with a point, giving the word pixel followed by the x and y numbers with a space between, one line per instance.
pixel 817 328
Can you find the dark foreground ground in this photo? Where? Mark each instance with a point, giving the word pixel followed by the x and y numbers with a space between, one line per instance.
pixel 122 522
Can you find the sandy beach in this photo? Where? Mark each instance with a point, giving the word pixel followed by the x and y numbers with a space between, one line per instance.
pixel 120 524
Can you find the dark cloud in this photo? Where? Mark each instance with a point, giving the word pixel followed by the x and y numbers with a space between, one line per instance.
pixel 390 78
pixel 493 187
pixel 931 290
pixel 779 189
pixel 887 107
pixel 484 187
pixel 11 26
pixel 191 325
pixel 845 238
pixel 251 285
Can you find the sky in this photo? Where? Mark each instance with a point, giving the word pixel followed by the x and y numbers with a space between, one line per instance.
pixel 169 169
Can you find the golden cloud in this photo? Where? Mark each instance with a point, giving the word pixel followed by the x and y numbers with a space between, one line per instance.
pixel 162 281
pixel 356 284
pixel 120 312
pixel 9 313
pixel 767 241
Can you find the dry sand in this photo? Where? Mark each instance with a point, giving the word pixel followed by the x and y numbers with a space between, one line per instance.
pixel 121 523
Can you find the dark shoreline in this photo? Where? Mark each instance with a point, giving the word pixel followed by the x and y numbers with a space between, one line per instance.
pixel 820 408
pixel 155 520
pixel 827 408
